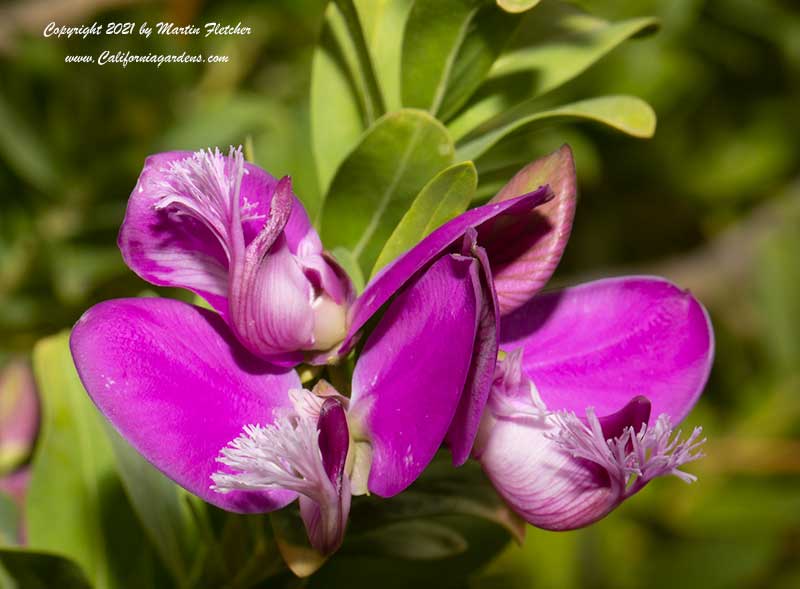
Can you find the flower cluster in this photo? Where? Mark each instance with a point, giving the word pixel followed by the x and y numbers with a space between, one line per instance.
pixel 566 398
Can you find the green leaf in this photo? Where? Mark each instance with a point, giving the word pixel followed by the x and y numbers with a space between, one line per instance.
pixel 75 504
pixel 9 520
pixel 446 196
pixel 159 504
pixel 347 261
pixel 628 114
pixel 376 183
pixel 487 37
pixel 39 570
pixel 383 22
pixel 553 45
pixel 337 118
pixel 566 41
pixel 517 5
pixel 434 34
pixel 412 540
pixel 373 99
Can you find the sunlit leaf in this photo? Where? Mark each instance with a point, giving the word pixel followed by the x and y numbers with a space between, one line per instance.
pixel 628 114
pixel 376 184
pixel 447 195
pixel 517 5
pixel 561 41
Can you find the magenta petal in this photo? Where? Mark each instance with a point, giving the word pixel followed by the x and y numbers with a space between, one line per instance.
pixel 326 524
pixel 178 386
pixel 467 419
pixel 411 372
pixel 602 343
pixel 392 277
pixel 525 252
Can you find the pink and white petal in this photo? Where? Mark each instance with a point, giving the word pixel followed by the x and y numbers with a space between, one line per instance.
pixel 175 382
pixel 544 484
pixel 602 343
pixel 525 250
pixel 412 370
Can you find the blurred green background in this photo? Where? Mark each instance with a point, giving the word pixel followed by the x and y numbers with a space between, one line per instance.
pixel 711 202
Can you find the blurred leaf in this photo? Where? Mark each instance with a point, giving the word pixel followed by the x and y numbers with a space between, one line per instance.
pixel 517 5
pixel 75 503
pixel 157 502
pixel 347 261
pixel 446 196
pixel 434 33
pixel 628 114
pixel 564 42
pixel 778 280
pixel 412 540
pixel 374 186
pixel 24 151
pixel 337 118
pixel 40 570
pixel 9 520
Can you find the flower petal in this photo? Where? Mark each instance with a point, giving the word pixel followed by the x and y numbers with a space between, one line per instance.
pixel 467 419
pixel 178 386
pixel 169 249
pixel 326 524
pixel 411 372
pixel 524 253
pixel 393 276
pixel 602 343
pixel 541 481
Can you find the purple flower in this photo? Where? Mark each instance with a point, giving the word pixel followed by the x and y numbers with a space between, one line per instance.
pixel 244 435
pixel 581 412
pixel 624 347
pixel 228 231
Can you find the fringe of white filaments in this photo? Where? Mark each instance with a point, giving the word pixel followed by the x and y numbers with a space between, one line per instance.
pixel 206 186
pixel 283 455
pixel 649 453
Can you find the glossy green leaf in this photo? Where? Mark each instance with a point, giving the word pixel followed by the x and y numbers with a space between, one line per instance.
pixel 487 37
pixel 565 42
pixel 517 5
pixel 628 114
pixel 337 117
pixel 27 569
pixel 446 196
pixel 75 504
pixel 376 184
pixel 371 93
pixel 159 504
pixel 553 45
pixel 434 34
pixel 383 22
